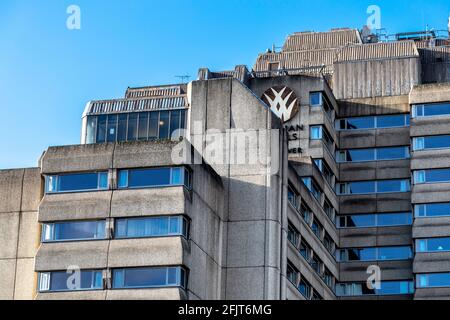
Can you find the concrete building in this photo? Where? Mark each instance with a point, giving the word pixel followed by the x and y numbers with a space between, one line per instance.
pixel 322 173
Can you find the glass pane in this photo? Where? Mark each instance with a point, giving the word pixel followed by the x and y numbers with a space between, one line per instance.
pixel 153 125
pixel 123 179
pixel 101 129
pixel 361 155
pixel 360 123
pixel 362 187
pixel 112 128
pixel 438 244
pixel 392 186
pixel 143 126
pixel 437 142
pixel 174 124
pixel 164 125
pixel 394 253
pixel 435 280
pixel 392 153
pixel 316 133
pixel 122 128
pixel 77 182
pixel 59 281
pixel 434 209
pixel 132 126
pixel 438 175
pixel 361 221
pixel 315 99
pixel 90 130
pixel 391 121
pixel 175 226
pixel 177 176
pixel 78 230
pixel 149 177
pixel 394 219
pixel 437 109
pixel 145 277
pixel 103 180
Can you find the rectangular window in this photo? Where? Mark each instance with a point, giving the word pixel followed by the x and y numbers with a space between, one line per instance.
pixel 143 126
pixel 431 110
pixel 305 251
pixel 111 134
pixel 431 142
pixel 164 125
pixel 431 176
pixel 317 229
pixel 316 132
pixel 58 281
pixel 386 288
pixel 315 99
pixel 432 210
pixel 76 182
pixel 293 235
pixel 122 127
pixel 151 227
pixel 329 209
pixel 361 155
pixel 292 274
pixel 368 187
pixel 325 170
pixel 292 197
pixel 153 126
pixel 433 280
pixel 73 230
pixel 433 245
pixel 305 288
pixel 154 177
pixel 375 254
pixel 101 129
pixel 374 122
pixel 91 129
pixel 149 277
pixel 329 244
pixel 316 264
pixel 313 188
pixel 306 213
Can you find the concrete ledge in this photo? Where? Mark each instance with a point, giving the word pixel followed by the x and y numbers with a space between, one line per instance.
pixel 431 262
pixel 429 126
pixel 432 192
pixel 434 227
pixel 428 93
pixel 432 294
pixel 74 295
pixel 148 202
pixel 147 252
pixel 147 294
pixel 59 256
pixel 430 159
pixel 75 206
pixel 88 157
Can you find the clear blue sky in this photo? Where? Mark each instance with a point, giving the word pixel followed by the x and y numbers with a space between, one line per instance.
pixel 48 73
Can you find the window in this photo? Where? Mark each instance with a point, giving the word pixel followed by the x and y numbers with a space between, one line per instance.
pixel 152 227
pixel 375 220
pixel 329 209
pixel 59 281
pixel 305 288
pixel 432 210
pixel 306 213
pixel 361 155
pixel 313 188
pixel 305 250
pixel 329 244
pixel 432 142
pixel 367 187
pixel 292 274
pixel 316 296
pixel 149 277
pixel 387 288
pixel 317 228
pixel 318 99
pixel 76 182
pixel 154 177
pixel 431 176
pixel 433 280
pixel 328 279
pixel 316 264
pixel 292 197
pixel 430 110
pixel 293 235
pixel 73 230
pixel 375 254
pixel 325 170
pixel 320 133
pixel 135 126
pixel 373 122
pixel 433 245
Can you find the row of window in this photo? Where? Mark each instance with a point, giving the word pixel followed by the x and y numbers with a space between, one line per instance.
pixel 135 126
pixel 431 176
pixel 374 254
pixel 309 255
pixel 373 154
pixel 431 142
pixel 122 278
pixel 385 288
pixel 432 210
pixel 302 285
pixel 132 178
pixel 145 227
pixel 431 110
pixel 374 186
pixel 433 245
pixel 373 122
pixel 375 220
pixel 433 280
pixel 311 220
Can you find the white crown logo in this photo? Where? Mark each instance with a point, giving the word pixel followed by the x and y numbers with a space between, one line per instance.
pixel 278 105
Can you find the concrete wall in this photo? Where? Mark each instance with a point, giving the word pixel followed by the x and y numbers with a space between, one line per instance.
pixel 201 253
pixel 20 193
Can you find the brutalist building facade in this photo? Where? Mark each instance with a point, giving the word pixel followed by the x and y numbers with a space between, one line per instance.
pixel 322 173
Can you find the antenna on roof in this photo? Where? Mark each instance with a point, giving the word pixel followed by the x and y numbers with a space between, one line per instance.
pixel 184 79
